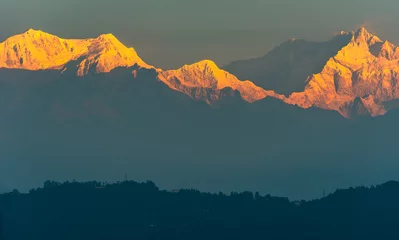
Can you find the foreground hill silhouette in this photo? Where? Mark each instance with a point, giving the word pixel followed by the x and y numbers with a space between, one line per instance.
pixel 131 210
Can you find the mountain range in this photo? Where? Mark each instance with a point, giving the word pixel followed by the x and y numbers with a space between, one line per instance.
pixel 354 73
pixel 93 108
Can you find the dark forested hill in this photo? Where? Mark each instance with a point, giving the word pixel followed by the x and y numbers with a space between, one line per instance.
pixel 131 210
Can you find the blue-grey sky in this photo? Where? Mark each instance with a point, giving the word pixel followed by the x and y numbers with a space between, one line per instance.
pixel 169 33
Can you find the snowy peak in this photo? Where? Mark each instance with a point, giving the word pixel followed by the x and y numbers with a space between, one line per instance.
pixel 33 33
pixel 108 37
pixel 106 53
pixel 204 73
pixel 204 64
pixel 367 66
pixel 385 50
pixel 358 50
pixel 330 74
pixel 204 80
pixel 363 36
pixel 35 50
pixel 38 50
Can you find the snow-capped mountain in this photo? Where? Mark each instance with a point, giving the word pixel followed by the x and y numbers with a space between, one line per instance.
pixel 353 70
pixel 330 75
pixel 205 81
pixel 365 68
pixel 37 50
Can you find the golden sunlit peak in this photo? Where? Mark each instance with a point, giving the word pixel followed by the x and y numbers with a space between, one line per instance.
pixel 204 80
pixel 362 31
pixel 387 44
pixel 36 33
pixel 205 63
pixel 202 62
pixel 37 50
pixel 33 31
pixel 108 36
pixel 362 35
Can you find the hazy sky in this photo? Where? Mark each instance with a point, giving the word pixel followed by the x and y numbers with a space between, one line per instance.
pixel 169 33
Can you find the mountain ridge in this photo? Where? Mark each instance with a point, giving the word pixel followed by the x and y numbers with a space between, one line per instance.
pixel 357 70
pixel 330 75
pixel 206 74
pixel 360 65
pixel 38 50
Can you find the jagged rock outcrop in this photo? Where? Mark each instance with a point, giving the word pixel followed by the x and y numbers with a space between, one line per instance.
pixel 37 50
pixel 361 107
pixel 205 81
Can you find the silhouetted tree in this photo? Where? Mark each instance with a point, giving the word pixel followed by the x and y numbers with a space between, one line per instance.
pixel 132 210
